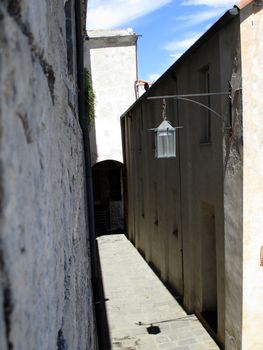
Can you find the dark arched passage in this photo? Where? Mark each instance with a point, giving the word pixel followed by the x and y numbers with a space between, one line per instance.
pixel 108 197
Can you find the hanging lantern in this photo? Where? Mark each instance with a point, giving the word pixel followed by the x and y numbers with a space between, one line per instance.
pixel 165 138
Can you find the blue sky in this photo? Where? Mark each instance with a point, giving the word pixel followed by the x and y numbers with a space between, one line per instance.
pixel 168 27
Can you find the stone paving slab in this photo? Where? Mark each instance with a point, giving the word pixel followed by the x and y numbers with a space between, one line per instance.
pixel 137 299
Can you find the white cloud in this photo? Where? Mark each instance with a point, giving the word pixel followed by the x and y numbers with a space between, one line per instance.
pixel 181 45
pixel 154 76
pixel 215 8
pixel 199 17
pixel 109 14
pixel 176 56
pixel 178 47
pixel 209 25
pixel 210 3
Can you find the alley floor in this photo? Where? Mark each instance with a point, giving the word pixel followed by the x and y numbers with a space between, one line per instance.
pixel 140 313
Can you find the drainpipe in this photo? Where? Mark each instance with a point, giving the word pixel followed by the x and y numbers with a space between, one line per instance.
pixel 85 131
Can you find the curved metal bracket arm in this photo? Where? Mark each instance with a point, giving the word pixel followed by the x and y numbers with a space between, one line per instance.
pixel 186 98
pixel 202 105
pixel 190 95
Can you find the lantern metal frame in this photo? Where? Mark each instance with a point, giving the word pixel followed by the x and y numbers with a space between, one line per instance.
pixel 165 137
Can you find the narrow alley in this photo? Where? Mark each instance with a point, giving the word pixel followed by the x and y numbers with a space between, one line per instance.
pixel 136 310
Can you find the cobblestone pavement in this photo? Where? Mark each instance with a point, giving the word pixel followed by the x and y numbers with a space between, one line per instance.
pixel 136 299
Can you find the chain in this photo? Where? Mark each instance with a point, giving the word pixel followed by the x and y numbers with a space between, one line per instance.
pixel 164 109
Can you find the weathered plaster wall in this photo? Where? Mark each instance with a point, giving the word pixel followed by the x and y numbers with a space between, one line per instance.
pixel 112 59
pixel 45 276
pixel 252 81
pixel 230 61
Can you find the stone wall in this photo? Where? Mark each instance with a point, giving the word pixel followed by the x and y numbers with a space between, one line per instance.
pixel 45 274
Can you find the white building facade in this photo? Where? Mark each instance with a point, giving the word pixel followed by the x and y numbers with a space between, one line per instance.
pixel 111 58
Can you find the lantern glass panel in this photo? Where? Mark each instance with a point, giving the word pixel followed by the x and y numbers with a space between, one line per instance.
pixel 165 141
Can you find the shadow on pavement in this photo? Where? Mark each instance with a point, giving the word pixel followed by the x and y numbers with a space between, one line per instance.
pixel 100 309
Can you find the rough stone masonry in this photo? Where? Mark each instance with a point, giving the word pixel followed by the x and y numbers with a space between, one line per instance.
pixel 45 275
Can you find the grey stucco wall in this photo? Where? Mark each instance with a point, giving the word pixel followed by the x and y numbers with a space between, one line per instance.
pixel 45 274
pixel 183 214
